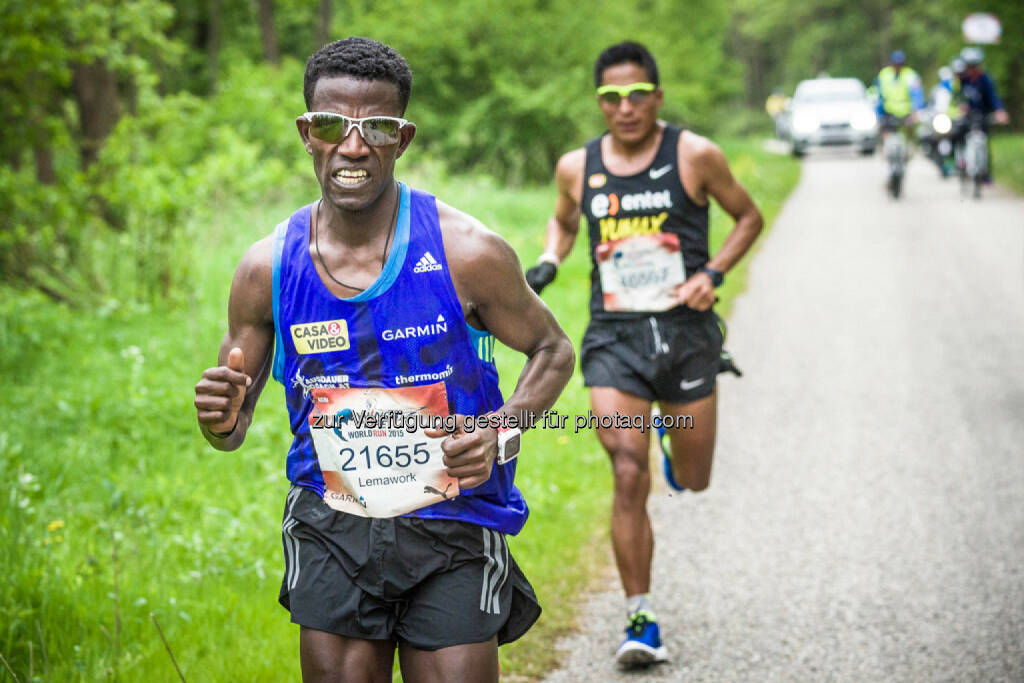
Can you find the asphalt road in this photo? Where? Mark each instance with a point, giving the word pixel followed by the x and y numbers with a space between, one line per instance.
pixel 865 520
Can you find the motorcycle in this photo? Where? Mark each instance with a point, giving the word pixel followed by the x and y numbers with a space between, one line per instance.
pixel 934 135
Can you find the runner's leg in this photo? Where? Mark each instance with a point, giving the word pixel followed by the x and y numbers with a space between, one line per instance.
pixel 330 658
pixel 693 449
pixel 632 536
pixel 470 662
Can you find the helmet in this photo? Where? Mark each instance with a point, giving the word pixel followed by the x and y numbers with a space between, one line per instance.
pixel 958 65
pixel 972 55
pixel 945 73
pixel 898 57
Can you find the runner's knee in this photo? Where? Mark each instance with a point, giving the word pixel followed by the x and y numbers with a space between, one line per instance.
pixel 692 479
pixel 630 470
pixel 697 484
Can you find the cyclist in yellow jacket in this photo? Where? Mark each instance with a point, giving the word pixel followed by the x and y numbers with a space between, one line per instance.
pixel 899 91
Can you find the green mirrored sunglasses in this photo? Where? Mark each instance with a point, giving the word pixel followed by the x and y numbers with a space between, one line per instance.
pixel 375 130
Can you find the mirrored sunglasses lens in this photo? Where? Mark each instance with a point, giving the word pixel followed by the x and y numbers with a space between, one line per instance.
pixel 639 95
pixel 327 128
pixel 381 131
pixel 611 97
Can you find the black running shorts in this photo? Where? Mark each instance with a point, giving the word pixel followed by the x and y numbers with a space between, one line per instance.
pixel 671 358
pixel 430 583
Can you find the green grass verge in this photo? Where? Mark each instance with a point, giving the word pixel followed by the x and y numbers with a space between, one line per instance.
pixel 117 510
pixel 1008 160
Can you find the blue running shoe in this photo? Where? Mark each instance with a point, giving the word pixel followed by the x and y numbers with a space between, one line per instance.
pixel 666 460
pixel 642 645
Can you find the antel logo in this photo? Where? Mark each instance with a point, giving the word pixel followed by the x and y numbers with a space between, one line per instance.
pixel 602 204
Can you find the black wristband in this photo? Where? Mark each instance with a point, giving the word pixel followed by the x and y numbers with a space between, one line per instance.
pixel 717 276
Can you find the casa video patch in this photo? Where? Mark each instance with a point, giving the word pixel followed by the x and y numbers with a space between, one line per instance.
pixel 641 273
pixel 379 468
pixel 320 337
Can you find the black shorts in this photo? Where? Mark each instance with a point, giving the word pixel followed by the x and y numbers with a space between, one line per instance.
pixel 670 358
pixel 431 583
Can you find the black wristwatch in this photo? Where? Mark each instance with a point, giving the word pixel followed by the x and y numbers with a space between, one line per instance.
pixel 717 276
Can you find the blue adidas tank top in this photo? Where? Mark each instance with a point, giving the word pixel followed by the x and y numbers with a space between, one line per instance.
pixel 406 329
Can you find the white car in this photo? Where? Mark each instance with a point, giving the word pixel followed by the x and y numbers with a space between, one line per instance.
pixel 832 111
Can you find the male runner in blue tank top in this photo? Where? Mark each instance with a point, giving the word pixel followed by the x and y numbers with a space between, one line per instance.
pixel 644 188
pixel 377 308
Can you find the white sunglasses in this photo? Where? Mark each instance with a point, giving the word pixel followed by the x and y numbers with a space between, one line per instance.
pixel 375 130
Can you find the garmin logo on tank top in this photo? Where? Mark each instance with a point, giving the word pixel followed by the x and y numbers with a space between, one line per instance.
pixel 426 264
pixel 416 331
pixel 425 377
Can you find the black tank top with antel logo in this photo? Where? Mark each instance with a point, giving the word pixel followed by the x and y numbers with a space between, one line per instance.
pixel 651 201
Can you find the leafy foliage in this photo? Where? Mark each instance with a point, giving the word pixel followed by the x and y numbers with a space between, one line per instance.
pixel 500 88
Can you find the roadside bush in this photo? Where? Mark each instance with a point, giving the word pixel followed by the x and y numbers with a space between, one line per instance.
pixel 122 229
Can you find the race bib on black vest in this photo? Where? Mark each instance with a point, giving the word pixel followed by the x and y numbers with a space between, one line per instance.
pixel 641 273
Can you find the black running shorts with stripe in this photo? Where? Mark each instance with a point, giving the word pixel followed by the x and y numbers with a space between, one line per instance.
pixel 430 583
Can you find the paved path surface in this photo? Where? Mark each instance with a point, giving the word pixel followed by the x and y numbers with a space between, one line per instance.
pixel 865 520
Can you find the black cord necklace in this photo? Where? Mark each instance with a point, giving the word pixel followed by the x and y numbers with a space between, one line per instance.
pixel 387 242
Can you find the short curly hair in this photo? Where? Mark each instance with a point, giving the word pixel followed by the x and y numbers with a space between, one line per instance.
pixel 627 51
pixel 360 58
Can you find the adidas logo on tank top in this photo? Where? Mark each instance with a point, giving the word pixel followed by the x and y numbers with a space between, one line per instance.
pixel 426 263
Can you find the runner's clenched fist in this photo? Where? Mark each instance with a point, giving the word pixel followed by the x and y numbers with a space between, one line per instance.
pixel 219 394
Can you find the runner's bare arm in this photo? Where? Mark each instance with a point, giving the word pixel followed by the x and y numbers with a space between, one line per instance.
pixel 564 225
pixel 494 295
pixel 717 182
pixel 226 395
pixel 489 282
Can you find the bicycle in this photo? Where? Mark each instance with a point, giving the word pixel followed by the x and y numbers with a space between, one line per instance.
pixel 894 149
pixel 972 154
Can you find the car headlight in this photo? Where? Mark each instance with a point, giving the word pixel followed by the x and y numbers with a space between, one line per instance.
pixel 805 123
pixel 864 120
pixel 942 124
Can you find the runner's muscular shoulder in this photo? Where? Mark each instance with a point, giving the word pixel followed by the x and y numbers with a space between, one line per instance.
pixel 489 281
pixel 698 161
pixel 705 174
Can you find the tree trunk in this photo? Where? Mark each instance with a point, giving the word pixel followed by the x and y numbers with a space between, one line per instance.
pixel 131 95
pixel 45 172
pixel 213 43
pixel 95 89
pixel 267 31
pixel 323 29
